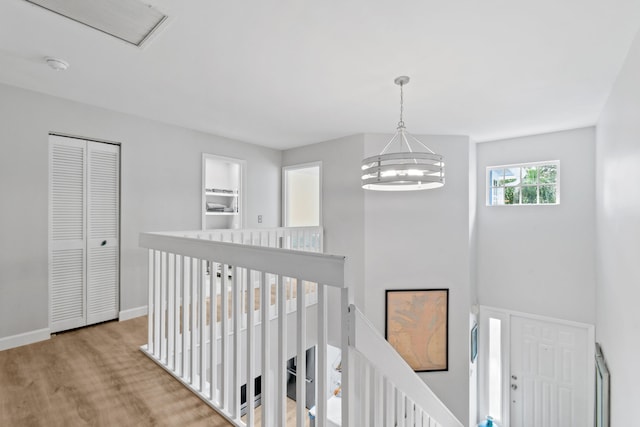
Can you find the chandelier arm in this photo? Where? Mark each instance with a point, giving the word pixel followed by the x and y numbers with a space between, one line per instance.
pixel 406 141
pixel 419 142
pixel 415 161
pixel 386 147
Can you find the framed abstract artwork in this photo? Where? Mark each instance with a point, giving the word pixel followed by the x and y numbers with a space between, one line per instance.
pixel 417 326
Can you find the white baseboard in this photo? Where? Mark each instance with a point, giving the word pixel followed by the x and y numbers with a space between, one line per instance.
pixel 132 313
pixel 24 338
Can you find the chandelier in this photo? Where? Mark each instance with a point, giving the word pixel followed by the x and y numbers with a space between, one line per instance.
pixel 403 169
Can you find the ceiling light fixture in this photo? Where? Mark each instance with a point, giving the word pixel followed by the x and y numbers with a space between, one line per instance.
pixel 57 64
pixel 404 169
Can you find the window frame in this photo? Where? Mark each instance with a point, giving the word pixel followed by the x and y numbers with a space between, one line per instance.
pixel 285 195
pixel 537 185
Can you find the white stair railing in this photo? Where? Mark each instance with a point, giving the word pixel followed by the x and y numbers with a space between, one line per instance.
pixel 203 331
pixel 391 394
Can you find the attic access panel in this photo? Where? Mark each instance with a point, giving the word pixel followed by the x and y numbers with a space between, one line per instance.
pixel 128 20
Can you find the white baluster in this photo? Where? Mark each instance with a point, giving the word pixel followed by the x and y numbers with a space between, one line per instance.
pixel 250 349
pixel 202 294
pixel 157 306
pixel 365 391
pixel 237 326
pixel 402 408
pixel 213 326
pixel 321 365
pixel 171 286
pixel 388 403
pixel 378 402
pixel 410 410
pixel 177 356
pixel 150 307
pixel 186 301
pixel 265 301
pixel 301 367
pixel 224 341
pixel 164 310
pixel 281 396
pixel 193 310
pixel 347 377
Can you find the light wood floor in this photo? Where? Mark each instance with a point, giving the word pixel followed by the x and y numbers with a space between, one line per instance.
pixel 95 376
pixel 291 415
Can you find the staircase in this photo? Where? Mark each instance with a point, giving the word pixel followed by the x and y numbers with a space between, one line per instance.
pixel 300 300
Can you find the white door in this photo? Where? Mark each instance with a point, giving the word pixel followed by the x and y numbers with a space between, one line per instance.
pixel 549 374
pixel 84 200
pixel 103 224
pixel 67 233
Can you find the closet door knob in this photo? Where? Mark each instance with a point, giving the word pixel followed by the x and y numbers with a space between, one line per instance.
pixel 104 242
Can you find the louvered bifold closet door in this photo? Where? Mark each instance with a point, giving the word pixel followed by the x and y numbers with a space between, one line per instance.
pixel 67 231
pixel 103 231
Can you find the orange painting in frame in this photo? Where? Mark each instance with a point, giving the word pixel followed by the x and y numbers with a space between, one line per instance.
pixel 417 325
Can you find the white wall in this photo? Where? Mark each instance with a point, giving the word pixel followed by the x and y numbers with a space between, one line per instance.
pixel 540 259
pixel 161 185
pixel 618 225
pixel 420 239
pixel 342 201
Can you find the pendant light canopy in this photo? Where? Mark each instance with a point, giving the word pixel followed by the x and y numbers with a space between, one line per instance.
pixel 398 167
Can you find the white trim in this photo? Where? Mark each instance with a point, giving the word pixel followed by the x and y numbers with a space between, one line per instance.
pixel 506 315
pixel 133 313
pixel 25 338
pixel 539 317
pixel 285 198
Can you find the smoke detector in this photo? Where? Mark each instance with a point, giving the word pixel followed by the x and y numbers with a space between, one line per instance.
pixel 57 63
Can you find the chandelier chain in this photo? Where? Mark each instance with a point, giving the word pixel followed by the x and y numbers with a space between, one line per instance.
pixel 401 122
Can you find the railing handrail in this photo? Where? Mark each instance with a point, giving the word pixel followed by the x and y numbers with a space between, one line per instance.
pixel 309 266
pixel 188 233
pixel 366 339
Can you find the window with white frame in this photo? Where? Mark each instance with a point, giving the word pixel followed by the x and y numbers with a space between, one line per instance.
pixel 524 184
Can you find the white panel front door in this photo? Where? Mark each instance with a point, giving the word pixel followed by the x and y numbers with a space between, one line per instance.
pixel 549 374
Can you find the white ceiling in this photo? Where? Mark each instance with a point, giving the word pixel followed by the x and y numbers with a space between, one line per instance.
pixel 288 73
